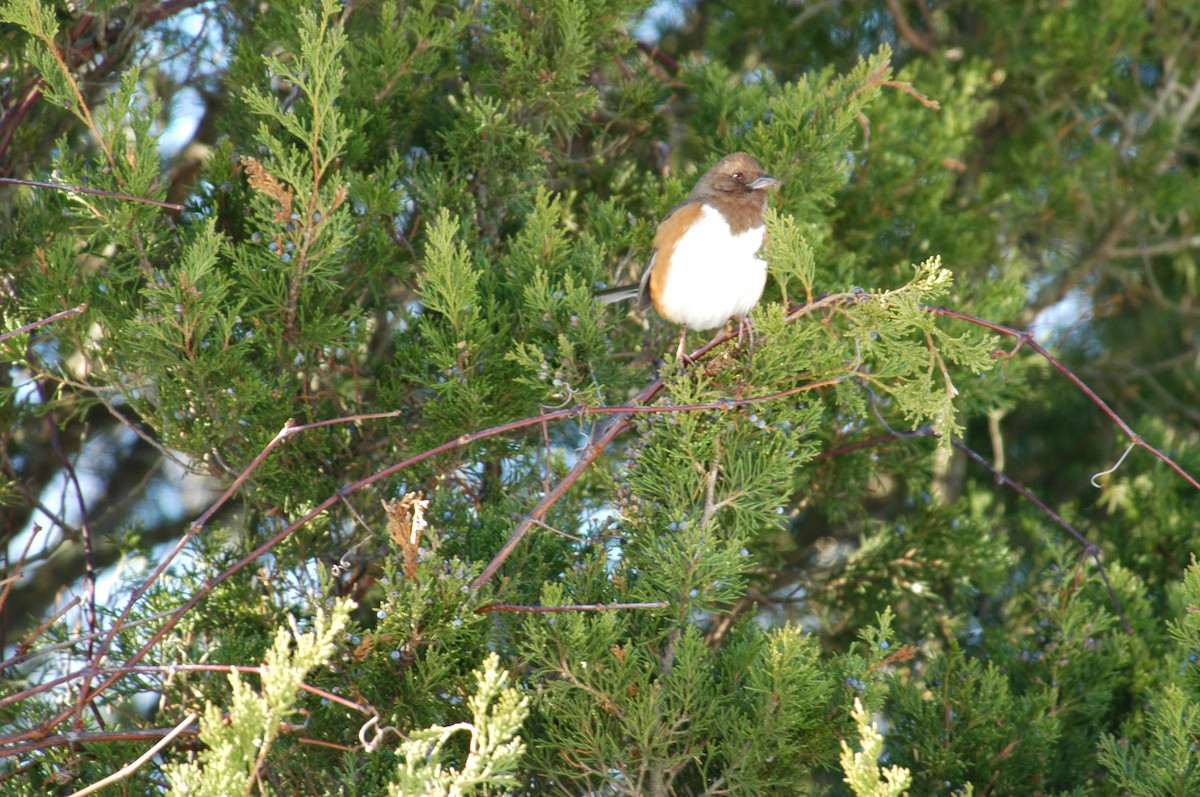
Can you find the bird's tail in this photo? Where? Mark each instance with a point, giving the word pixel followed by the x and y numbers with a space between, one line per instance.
pixel 620 293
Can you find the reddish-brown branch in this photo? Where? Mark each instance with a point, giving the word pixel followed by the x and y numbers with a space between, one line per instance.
pixel 76 310
pixel 656 54
pixel 907 31
pixel 623 418
pixel 11 121
pixel 169 669
pixel 579 607
pixel 43 741
pixel 82 46
pixel 593 451
pixel 79 189
pixel 1026 339
pixel 1088 546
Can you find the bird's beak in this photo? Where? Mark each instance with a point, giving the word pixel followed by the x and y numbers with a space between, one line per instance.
pixel 766 181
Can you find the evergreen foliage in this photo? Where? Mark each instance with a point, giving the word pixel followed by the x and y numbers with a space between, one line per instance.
pixel 862 773
pixel 237 744
pixel 352 328
pixel 497 712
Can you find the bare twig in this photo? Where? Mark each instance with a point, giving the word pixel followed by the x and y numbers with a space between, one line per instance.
pixel 582 607
pixel 1026 339
pixel 1088 546
pixel 907 31
pixel 1166 247
pixel 623 417
pixel 76 310
pixel 81 738
pixel 82 46
pixel 170 669
pixel 79 189
pixel 132 766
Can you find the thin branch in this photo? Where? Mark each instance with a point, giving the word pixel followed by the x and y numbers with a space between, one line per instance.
pixel 907 31
pixel 1167 247
pixel 7 583
pixel 559 532
pixel 581 607
pixel 592 452
pixel 76 310
pixel 132 766
pixel 170 669
pixel 23 653
pixel 623 418
pixel 1026 339
pixel 655 54
pixel 82 738
pixel 1088 546
pixel 79 50
pixel 78 189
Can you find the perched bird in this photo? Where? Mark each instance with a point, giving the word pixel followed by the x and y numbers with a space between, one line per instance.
pixel 704 268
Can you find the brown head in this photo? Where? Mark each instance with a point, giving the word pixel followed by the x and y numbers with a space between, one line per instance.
pixel 736 186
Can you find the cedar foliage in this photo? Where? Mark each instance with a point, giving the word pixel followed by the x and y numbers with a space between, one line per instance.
pixel 406 208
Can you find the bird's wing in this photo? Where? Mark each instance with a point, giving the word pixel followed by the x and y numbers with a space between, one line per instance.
pixel 643 294
pixel 670 230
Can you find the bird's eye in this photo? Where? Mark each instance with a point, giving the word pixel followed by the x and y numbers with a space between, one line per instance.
pixel 741 178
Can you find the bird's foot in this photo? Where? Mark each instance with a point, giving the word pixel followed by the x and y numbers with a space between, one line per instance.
pixel 745 328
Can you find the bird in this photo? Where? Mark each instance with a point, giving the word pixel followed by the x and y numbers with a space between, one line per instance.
pixel 704 267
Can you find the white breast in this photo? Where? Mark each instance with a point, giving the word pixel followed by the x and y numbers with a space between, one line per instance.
pixel 714 274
